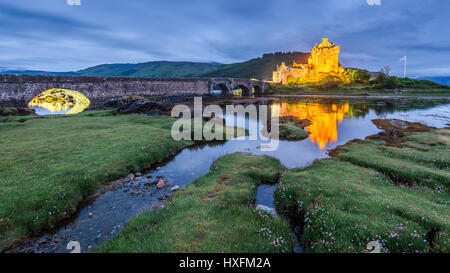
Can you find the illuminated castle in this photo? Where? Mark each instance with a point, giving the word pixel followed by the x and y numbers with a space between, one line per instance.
pixel 323 62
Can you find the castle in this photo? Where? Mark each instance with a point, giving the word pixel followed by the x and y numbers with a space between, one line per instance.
pixel 323 62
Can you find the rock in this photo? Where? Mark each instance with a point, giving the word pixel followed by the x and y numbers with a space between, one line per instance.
pixel 130 177
pixel 153 113
pixel 267 209
pixel 161 184
pixel 140 105
pixel 301 123
pixel 150 183
pixel 160 176
pixel 137 105
pixel 13 111
pixel 175 188
pixel 114 103
pixel 163 197
pixel 90 215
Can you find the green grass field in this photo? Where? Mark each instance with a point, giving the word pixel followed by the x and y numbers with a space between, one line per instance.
pixel 396 196
pixel 214 214
pixel 48 164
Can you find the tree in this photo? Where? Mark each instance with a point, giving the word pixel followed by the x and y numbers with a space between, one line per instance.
pixel 386 70
pixel 391 82
pixel 358 75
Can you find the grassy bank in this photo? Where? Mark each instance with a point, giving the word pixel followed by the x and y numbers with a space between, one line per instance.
pixel 289 131
pixel 216 213
pixel 48 164
pixel 359 92
pixel 290 128
pixel 372 192
pixel 389 86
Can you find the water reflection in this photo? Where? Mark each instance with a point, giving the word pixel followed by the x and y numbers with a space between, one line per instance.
pixel 42 109
pixel 324 118
pixel 59 101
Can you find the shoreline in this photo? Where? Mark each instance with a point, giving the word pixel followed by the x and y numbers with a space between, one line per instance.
pixel 356 96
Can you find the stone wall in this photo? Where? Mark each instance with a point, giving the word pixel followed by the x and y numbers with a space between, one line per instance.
pixel 18 90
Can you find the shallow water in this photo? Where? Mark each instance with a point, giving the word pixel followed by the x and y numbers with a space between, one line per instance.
pixel 43 111
pixel 334 122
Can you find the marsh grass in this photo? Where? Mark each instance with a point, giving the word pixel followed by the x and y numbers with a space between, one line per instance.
pixel 423 161
pixel 48 164
pixel 214 214
pixel 345 203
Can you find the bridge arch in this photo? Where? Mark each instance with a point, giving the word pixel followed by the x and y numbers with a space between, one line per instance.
pixel 257 90
pixel 246 91
pixel 224 90
pixel 59 100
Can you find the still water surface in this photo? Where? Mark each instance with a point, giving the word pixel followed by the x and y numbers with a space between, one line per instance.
pixel 43 111
pixel 334 122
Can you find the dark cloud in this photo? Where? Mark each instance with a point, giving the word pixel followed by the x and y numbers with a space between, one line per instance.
pixel 26 15
pixel 50 35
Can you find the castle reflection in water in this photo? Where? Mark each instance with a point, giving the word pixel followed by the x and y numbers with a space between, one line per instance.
pixel 324 118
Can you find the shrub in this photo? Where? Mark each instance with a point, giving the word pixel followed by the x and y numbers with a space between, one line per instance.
pixel 358 75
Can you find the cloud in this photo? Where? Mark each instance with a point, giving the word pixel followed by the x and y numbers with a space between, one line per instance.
pixel 52 35
pixel 74 2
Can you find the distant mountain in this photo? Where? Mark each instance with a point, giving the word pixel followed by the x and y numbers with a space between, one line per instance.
pixel 259 68
pixel 36 72
pixel 161 69
pixel 441 80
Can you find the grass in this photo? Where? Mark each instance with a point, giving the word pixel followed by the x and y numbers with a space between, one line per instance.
pixel 396 196
pixel 361 92
pixel 48 164
pixel 7 111
pixel 13 111
pixel 289 131
pixel 416 164
pixel 403 87
pixel 214 214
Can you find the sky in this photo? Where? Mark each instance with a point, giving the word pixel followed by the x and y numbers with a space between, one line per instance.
pixel 68 35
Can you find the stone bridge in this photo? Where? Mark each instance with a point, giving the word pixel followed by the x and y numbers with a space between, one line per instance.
pixel 18 90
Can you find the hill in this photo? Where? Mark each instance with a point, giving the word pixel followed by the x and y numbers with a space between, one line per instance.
pixel 35 72
pixel 162 69
pixel 159 69
pixel 259 68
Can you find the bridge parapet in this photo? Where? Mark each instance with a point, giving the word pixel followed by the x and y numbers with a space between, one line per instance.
pixel 18 90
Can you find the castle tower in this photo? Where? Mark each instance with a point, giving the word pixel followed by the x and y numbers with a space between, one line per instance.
pixel 325 57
